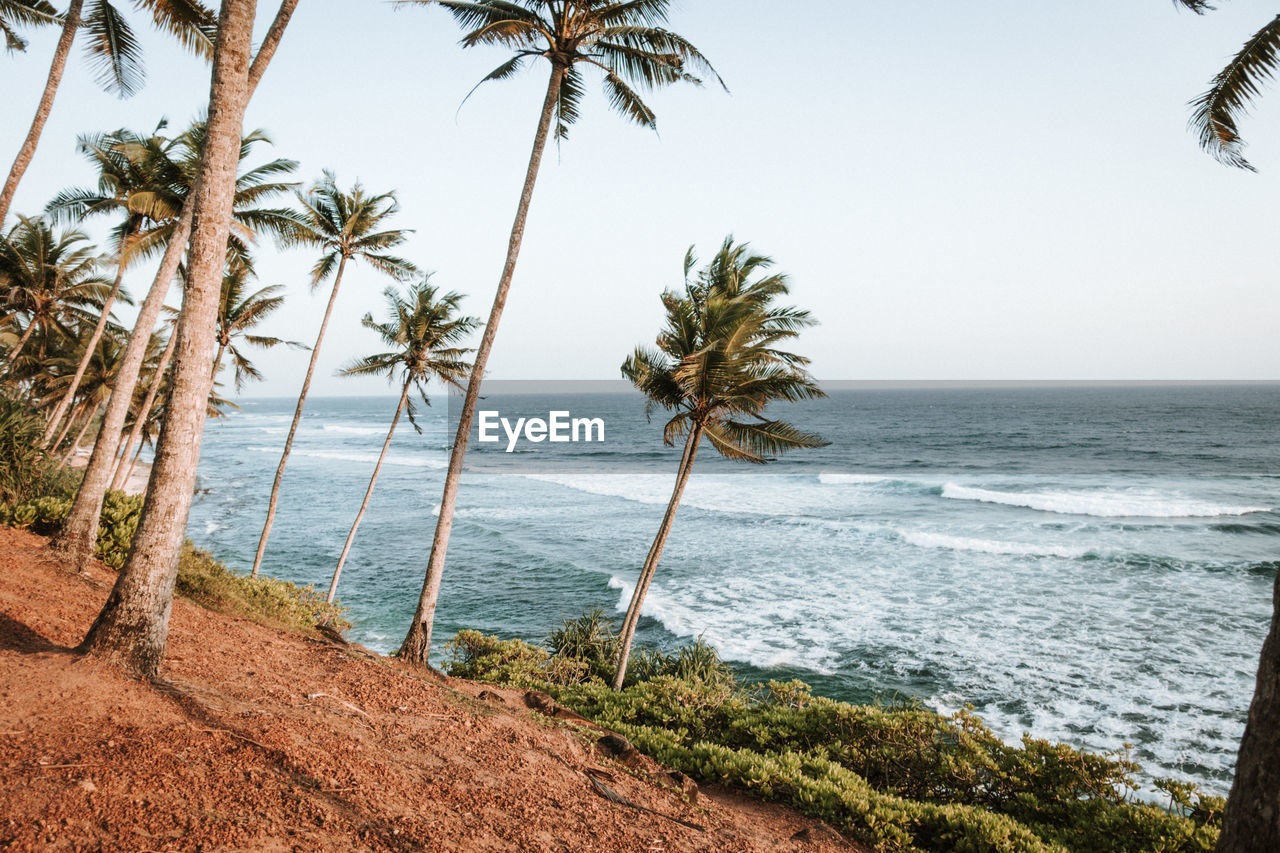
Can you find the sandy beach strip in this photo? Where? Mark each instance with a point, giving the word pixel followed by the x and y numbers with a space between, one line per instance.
pixel 137 482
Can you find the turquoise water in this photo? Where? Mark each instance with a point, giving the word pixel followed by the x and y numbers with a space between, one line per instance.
pixel 1092 565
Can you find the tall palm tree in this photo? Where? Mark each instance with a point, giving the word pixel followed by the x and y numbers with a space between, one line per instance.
pixel 50 278
pixel 717 366
pixel 627 42
pixel 423 333
pixel 238 313
pixel 175 169
pixel 24 13
pixel 124 187
pixel 115 57
pixel 1251 821
pixel 345 226
pixel 1216 114
pixel 175 239
pixel 132 628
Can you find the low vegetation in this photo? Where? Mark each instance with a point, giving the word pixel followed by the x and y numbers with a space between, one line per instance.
pixel 24 468
pixel 897 777
pixel 201 578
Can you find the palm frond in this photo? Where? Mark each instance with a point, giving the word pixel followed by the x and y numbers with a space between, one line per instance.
pixel 113 50
pixel 190 22
pixel 1215 114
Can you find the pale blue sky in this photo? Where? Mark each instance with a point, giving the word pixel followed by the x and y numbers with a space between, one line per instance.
pixel 994 190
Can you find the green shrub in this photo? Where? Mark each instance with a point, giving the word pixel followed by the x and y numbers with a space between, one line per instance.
pixel 26 471
pixel 210 583
pixel 201 578
pixel 510 662
pixel 116 525
pixel 592 638
pixel 897 777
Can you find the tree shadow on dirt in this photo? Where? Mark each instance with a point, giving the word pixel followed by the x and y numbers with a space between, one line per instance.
pixel 19 637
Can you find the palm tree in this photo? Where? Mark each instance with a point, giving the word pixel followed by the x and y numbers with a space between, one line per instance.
pixel 1251 821
pixel 345 226
pixel 24 13
pixel 1216 113
pixel 423 334
pixel 124 188
pixel 115 56
pixel 717 366
pixel 238 313
pixel 174 167
pixel 132 627
pixel 628 44
pixel 49 278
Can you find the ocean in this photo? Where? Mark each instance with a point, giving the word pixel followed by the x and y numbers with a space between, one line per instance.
pixel 1091 565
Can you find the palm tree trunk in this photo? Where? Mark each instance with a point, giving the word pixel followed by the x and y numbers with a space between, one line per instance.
pixel 76 539
pixel 270 42
pixel 133 627
pixel 22 342
pixel 632 619
pixel 217 361
pixel 1251 822
pixel 134 463
pixel 78 536
pixel 140 420
pixel 417 645
pixel 89 347
pixel 71 451
pixel 293 427
pixel 351 537
pixel 70 23
pixel 66 428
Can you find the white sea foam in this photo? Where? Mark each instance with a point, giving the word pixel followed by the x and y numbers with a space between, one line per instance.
pixel 1101 504
pixel 370 457
pixel 655 489
pixel 353 430
pixel 922 539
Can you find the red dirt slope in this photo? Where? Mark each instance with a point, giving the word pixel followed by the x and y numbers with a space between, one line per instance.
pixel 264 740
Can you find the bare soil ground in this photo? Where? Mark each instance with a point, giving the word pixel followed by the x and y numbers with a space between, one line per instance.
pixel 258 739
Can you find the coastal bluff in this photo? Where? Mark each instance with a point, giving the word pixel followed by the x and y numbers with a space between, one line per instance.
pixel 265 739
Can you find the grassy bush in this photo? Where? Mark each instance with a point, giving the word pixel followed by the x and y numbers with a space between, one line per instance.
pixel 201 578
pixel 897 778
pixel 116 525
pixel 26 471
pixel 210 583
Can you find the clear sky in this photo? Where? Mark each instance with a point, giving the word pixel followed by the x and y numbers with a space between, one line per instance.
pixel 993 190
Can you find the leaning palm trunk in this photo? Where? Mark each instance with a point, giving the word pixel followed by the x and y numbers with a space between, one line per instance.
pixel 66 428
pixel 79 532
pixel 91 412
pixel 351 537
pixel 134 463
pixel 133 627
pixel 75 540
pixel 22 342
pixel 140 417
pixel 417 645
pixel 293 427
pixel 1251 822
pixel 89 348
pixel 70 23
pixel 632 619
